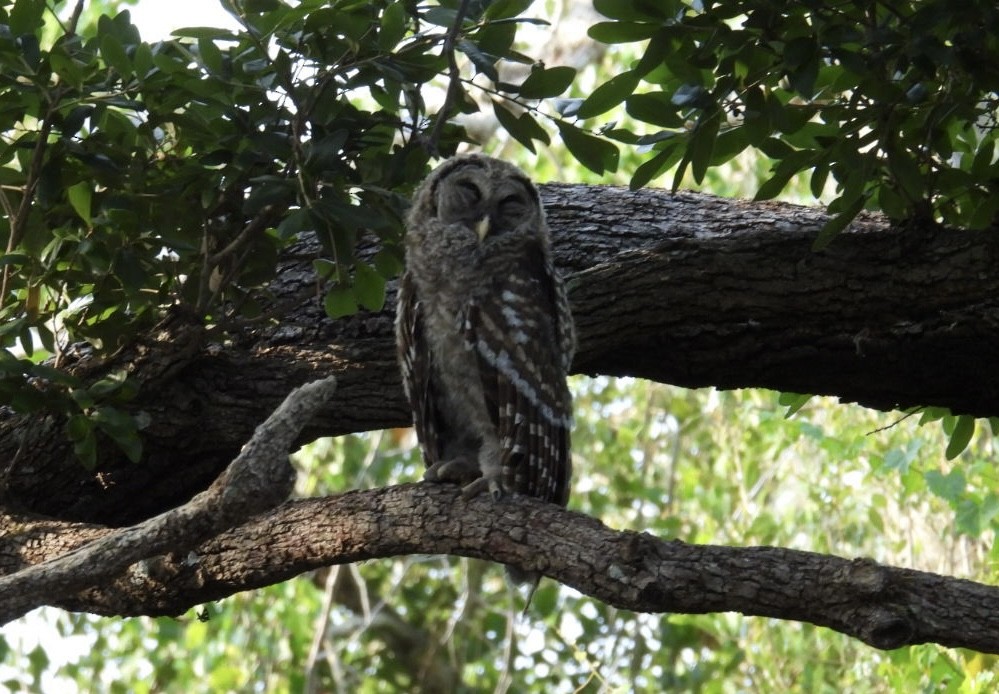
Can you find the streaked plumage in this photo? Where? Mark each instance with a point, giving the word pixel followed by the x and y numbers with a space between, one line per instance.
pixel 484 333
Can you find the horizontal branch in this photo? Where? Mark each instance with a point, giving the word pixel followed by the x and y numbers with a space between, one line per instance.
pixel 682 288
pixel 882 606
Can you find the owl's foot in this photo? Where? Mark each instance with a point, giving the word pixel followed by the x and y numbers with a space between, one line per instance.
pixel 466 473
pixel 457 470
pixel 480 485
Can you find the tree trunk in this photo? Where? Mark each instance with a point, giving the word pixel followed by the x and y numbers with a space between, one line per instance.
pixel 681 288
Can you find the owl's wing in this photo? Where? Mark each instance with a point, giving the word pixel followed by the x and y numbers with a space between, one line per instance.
pixel 414 360
pixel 518 332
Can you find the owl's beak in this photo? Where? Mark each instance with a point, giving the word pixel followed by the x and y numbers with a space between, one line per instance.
pixel 482 228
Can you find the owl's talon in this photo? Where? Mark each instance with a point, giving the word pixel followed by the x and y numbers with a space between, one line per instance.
pixel 457 470
pixel 470 491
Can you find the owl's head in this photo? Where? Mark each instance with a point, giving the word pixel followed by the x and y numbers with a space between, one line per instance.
pixel 480 195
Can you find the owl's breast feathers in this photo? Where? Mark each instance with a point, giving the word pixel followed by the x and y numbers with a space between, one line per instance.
pixel 485 337
pixel 514 330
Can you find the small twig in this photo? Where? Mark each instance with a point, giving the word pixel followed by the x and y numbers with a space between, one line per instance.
pixel 896 422
pixel 454 79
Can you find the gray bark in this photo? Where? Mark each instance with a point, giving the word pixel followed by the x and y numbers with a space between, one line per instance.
pixel 882 606
pixel 681 288
pixel 685 289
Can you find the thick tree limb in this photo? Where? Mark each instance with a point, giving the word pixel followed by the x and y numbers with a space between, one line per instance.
pixel 259 479
pixel 679 288
pixel 883 606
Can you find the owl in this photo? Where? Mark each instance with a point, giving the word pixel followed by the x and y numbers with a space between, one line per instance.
pixel 484 333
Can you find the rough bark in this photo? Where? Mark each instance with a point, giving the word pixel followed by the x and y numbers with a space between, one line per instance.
pixel 686 289
pixel 680 288
pixel 258 479
pixel 883 606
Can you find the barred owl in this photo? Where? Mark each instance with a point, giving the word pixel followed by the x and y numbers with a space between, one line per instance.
pixel 484 333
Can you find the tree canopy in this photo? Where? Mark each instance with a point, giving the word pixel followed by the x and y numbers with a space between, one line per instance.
pixel 195 226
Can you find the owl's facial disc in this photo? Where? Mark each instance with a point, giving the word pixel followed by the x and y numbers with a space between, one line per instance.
pixel 486 204
pixel 460 199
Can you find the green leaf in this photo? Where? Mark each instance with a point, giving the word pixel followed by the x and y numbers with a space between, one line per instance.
pixel 505 9
pixel 388 263
pixel 114 55
pixel 567 108
pixel 609 94
pixel 701 147
pixel 496 39
pixel 981 165
pixel 211 56
pixel 543 83
pixel 86 449
pixel 340 302
pixel 369 287
pixel 786 168
pixel 209 33
pixel 26 16
pixel 895 460
pixel 835 225
pixel 108 385
pixel 632 9
pixel 654 107
pixel 964 429
pixel 947 486
pixel 817 183
pixel 440 16
pixel 392 27
pixel 80 198
pixel 691 96
pixel 524 128
pixel 596 154
pixel 801 60
pixel 793 402
pixel 622 32
pixel 296 221
pixel 122 429
pixel 932 414
pixel 78 427
pixel 905 171
pixel 261 6
pixel 482 62
pixel 967 519
pixel 325 268
pixel 668 157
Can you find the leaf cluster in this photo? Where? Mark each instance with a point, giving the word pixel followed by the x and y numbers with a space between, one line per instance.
pixel 136 176
pixel 893 103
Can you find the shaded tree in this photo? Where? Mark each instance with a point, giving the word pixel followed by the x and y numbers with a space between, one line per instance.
pixel 196 226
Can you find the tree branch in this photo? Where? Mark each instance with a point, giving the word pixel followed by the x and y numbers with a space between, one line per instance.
pixel 882 606
pixel 683 288
pixel 259 479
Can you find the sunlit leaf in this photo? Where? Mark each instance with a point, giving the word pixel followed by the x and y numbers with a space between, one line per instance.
pixel 369 287
pixel 608 95
pixel 80 195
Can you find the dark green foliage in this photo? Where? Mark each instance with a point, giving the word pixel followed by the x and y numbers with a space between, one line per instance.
pixel 136 176
pixel 896 101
